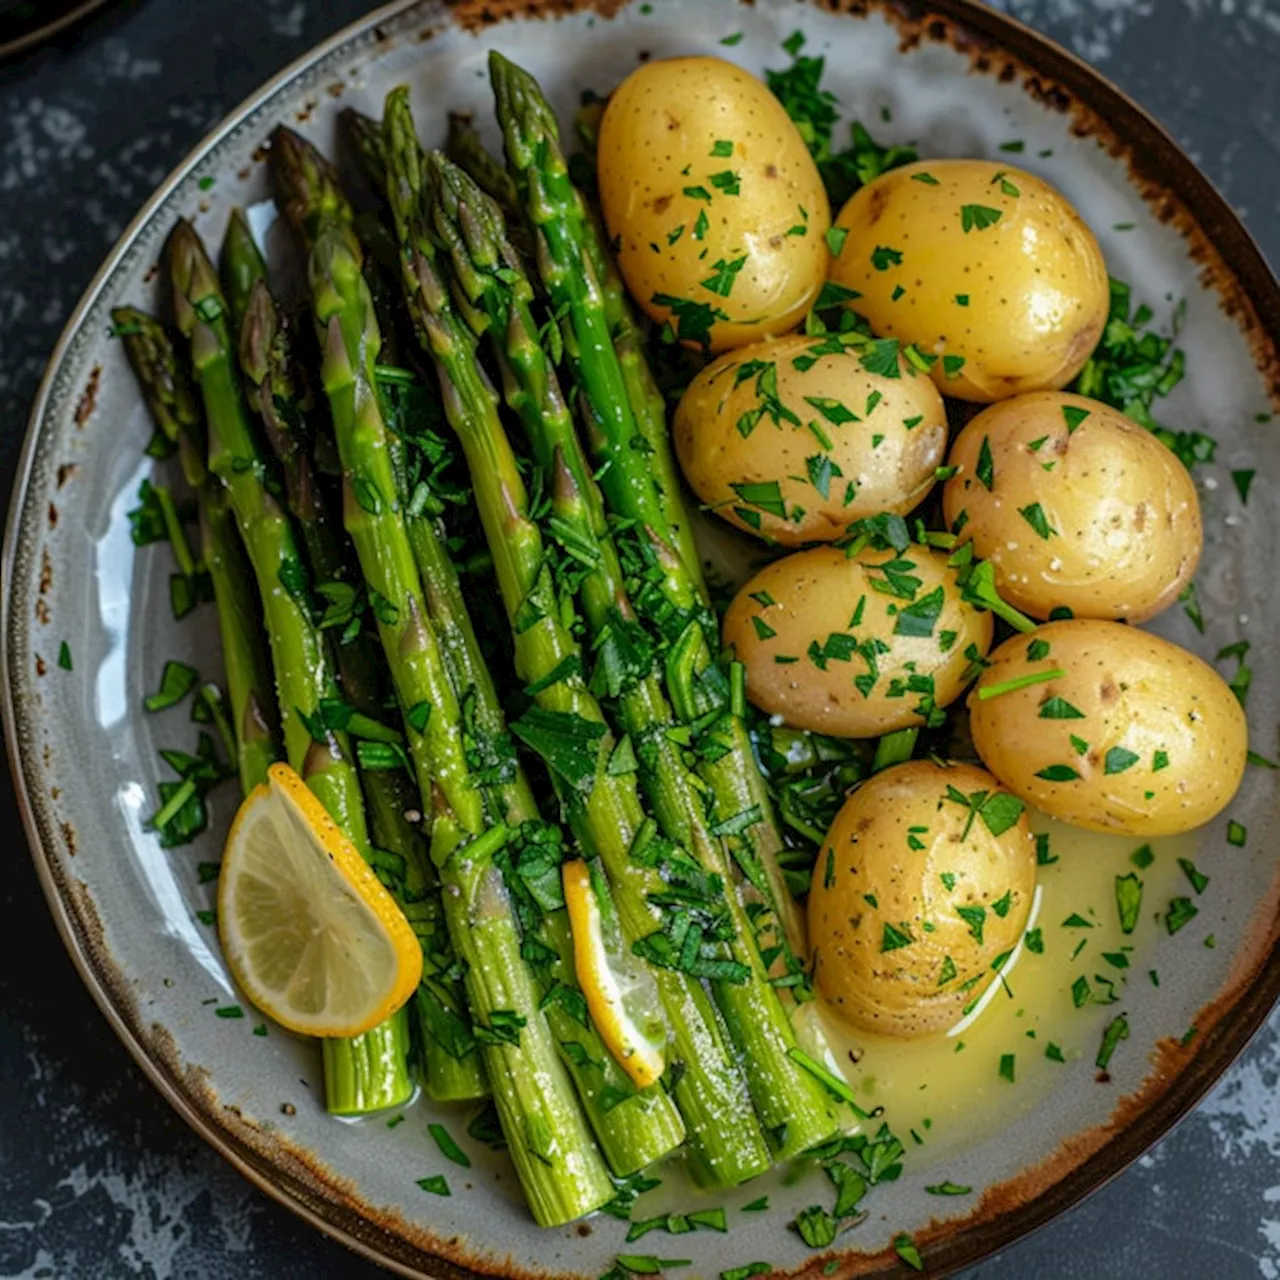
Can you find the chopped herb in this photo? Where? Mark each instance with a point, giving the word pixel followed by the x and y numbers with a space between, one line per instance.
pixel 1007 1066
pixel 986 468
pixel 905 1248
pixel 978 217
pixel 1242 480
pixel 1058 773
pixel 893 939
pixel 1034 515
pixel 568 743
pixel 883 257
pixel 1236 833
pixel 448 1147
pixel 230 1011
pixel 1117 1030
pixel 1118 759
pixel 1073 416
pixel 1199 881
pixel 722 147
pixel 1128 901
pixel 436 1185
pixel 176 682
pixel 64 656
pixel 836 237
pixel 1035 941
pixel 986 692
pixel 1181 911
pixel 948 1188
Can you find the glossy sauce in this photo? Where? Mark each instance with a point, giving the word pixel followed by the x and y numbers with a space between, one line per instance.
pixel 946 1090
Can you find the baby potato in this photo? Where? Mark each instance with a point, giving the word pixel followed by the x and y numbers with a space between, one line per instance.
pixel 1074 505
pixel 856 647
pixel 714 201
pixel 795 446
pixel 924 881
pixel 1109 728
pixel 984 266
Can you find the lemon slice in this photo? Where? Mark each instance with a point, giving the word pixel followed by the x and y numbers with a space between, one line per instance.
pixel 634 1053
pixel 310 934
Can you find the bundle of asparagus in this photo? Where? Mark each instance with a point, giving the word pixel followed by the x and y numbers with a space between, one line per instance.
pixel 618 970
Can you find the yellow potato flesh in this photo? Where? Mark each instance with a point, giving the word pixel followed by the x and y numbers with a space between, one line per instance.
pixel 1010 291
pixel 1085 510
pixel 915 897
pixel 840 442
pixel 827 649
pixel 713 199
pixel 1130 733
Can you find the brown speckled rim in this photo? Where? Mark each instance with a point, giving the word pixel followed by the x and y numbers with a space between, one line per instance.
pixel 1231 265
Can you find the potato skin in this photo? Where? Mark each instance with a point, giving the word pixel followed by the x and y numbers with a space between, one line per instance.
pixel 1124 520
pixel 879 880
pixel 664 133
pixel 1032 285
pixel 891 465
pixel 1160 740
pixel 821 593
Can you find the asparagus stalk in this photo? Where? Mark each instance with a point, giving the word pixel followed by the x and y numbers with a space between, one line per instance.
pixel 280 395
pixel 790 1101
pixel 607 818
pixel 172 401
pixel 367 1073
pixel 635 489
pixel 558 1165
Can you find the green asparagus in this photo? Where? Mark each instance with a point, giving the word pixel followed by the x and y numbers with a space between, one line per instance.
pixel 603 809
pixel 558 1165
pixel 281 397
pixel 172 401
pixel 636 491
pixel 790 1101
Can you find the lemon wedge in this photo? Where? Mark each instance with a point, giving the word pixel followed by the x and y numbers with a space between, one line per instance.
pixel 632 1051
pixel 311 935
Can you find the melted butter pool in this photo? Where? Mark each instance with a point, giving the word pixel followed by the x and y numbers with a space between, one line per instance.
pixel 941 1093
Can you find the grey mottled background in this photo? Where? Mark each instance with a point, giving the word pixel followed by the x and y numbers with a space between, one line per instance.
pixel 97 1177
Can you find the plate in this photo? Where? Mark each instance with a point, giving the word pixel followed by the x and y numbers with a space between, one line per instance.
pixel 957 79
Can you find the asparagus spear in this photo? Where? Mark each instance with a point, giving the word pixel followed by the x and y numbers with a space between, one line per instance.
pixel 603 808
pixel 558 1165
pixel 635 490
pixel 280 395
pixel 368 1072
pixel 788 1098
pixel 172 401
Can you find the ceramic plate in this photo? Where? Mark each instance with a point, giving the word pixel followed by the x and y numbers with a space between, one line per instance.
pixel 87 628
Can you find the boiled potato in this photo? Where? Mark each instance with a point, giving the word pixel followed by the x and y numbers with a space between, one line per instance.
pixel 923 883
pixel 1120 731
pixel 1074 505
pixel 713 200
pixel 982 265
pixel 856 647
pixel 794 439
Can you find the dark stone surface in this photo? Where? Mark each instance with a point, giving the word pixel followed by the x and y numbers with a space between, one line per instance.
pixel 97 1177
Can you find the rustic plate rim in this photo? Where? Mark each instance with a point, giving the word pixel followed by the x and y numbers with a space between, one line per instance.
pixel 1220 230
